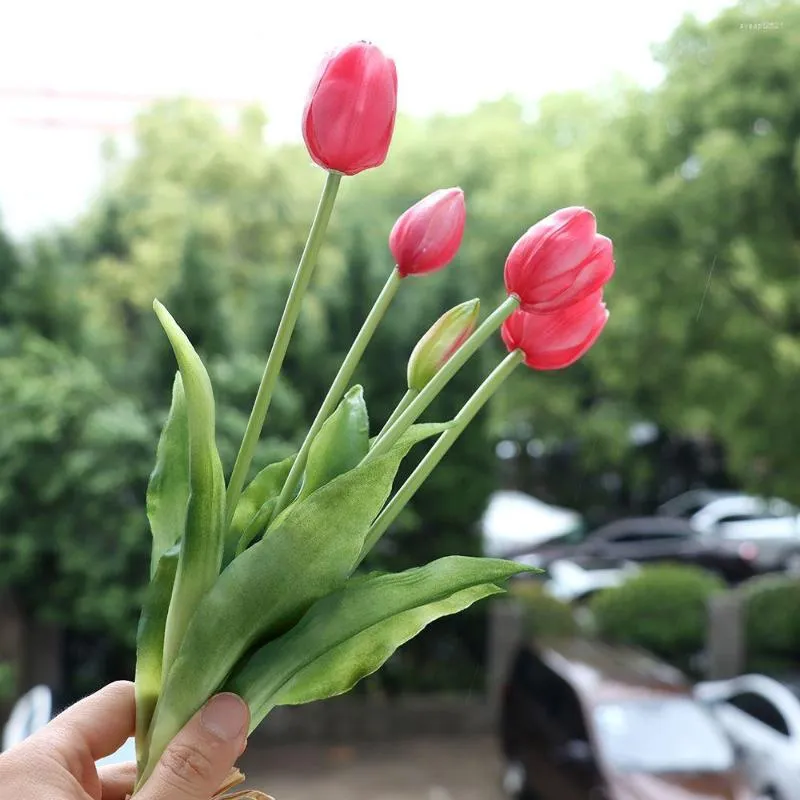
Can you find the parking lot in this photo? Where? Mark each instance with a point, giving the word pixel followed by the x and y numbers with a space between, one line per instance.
pixel 423 769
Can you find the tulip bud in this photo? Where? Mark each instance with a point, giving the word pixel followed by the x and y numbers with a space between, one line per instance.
pixel 443 338
pixel 559 338
pixel 560 260
pixel 427 236
pixel 349 115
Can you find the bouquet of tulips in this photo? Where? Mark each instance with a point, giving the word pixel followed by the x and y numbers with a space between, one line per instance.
pixel 253 586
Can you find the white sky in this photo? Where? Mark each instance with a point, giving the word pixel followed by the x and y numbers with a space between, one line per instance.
pixel 449 55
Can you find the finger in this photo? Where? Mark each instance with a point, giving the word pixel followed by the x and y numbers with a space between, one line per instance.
pixel 102 722
pixel 117 781
pixel 199 758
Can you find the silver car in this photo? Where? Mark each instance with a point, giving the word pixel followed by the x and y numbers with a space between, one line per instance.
pixel 764 531
pixel 762 718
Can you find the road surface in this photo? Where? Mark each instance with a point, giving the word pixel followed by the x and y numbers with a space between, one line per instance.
pixel 427 769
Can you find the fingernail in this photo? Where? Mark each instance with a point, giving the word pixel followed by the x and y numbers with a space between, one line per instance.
pixel 226 716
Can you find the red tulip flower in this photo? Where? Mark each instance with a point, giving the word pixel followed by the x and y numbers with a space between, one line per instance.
pixel 427 236
pixel 556 339
pixel 558 261
pixel 349 116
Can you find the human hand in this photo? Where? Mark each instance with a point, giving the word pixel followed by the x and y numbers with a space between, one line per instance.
pixel 58 762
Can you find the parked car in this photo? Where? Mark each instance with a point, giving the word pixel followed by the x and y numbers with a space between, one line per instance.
pixel 687 504
pixel 583 721
pixel 762 718
pixel 576 580
pixel 766 529
pixel 34 710
pixel 647 540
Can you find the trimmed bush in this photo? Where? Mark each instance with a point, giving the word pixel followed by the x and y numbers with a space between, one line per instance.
pixel 663 609
pixel 543 615
pixel 772 623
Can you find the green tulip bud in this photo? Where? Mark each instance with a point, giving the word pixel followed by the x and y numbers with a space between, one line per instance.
pixel 443 338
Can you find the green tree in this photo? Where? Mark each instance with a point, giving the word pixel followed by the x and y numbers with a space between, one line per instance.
pixel 697 181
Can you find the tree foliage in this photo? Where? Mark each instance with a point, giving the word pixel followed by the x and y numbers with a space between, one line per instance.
pixel 697 181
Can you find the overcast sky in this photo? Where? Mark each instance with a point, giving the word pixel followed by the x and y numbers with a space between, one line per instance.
pixel 448 59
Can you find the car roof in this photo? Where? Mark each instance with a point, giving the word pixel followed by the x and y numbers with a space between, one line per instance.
pixel 737 502
pixel 693 497
pixel 645 525
pixel 746 503
pixel 601 672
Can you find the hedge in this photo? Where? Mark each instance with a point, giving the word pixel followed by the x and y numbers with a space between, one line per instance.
pixel 772 623
pixel 663 609
pixel 543 615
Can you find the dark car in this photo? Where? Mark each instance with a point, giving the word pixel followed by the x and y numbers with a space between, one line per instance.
pixel 646 540
pixel 584 721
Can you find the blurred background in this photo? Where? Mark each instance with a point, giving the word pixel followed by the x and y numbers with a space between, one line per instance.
pixel 153 150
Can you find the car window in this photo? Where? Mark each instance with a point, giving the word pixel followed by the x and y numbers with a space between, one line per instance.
pixel 761 709
pixel 626 538
pixel 564 709
pixel 662 536
pixel 553 694
pixel 534 675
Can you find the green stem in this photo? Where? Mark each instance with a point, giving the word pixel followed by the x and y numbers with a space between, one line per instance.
pixel 339 386
pixel 404 403
pixel 437 452
pixel 416 407
pixel 276 355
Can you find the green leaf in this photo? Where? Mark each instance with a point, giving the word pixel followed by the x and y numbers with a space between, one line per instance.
pixel 350 633
pixel 168 489
pixel 257 526
pixel 264 487
pixel 422 430
pixel 340 444
pixel 201 546
pixel 414 435
pixel 311 549
pixel 150 647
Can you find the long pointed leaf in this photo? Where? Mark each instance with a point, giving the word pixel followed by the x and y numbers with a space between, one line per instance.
pixel 168 488
pixel 350 634
pixel 201 547
pixel 150 648
pixel 266 486
pixel 308 553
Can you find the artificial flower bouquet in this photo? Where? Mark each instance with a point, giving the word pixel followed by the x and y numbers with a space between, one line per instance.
pixel 253 584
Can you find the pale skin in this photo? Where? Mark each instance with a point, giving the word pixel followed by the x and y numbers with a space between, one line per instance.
pixel 58 762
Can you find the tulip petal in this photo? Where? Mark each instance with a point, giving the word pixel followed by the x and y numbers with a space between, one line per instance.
pixel 426 237
pixel 557 339
pixel 350 113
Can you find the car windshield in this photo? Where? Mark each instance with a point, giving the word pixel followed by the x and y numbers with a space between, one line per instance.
pixel 666 735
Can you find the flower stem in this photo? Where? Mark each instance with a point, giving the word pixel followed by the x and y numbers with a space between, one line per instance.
pixel 404 403
pixel 339 386
pixel 388 438
pixel 437 452
pixel 285 328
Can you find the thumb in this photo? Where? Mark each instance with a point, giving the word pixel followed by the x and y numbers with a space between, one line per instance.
pixel 199 758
